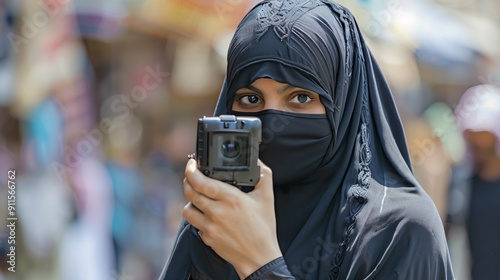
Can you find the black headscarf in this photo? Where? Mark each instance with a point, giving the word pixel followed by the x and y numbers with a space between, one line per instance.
pixel 360 213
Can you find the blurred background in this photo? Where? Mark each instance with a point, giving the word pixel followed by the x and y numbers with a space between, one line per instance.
pixel 99 102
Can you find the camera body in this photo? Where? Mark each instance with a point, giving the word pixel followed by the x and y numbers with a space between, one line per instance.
pixel 227 149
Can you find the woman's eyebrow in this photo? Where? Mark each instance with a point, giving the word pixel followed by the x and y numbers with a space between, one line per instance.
pixel 282 90
pixel 252 88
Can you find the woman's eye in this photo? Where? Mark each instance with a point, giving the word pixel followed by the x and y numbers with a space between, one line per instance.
pixel 249 99
pixel 301 99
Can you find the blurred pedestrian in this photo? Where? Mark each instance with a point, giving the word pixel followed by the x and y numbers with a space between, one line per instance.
pixel 478 114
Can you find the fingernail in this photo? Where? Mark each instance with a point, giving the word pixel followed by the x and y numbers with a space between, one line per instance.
pixel 192 166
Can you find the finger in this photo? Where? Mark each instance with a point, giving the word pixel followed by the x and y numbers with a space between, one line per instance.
pixel 200 233
pixel 265 184
pixel 197 199
pixel 211 188
pixel 194 216
pixel 203 238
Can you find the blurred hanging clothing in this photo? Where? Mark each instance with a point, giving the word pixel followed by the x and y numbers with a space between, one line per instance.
pixel 51 97
pixel 127 193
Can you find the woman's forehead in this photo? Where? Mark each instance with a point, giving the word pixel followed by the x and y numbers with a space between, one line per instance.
pixel 277 74
pixel 268 85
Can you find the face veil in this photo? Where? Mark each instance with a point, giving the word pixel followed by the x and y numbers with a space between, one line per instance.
pixel 344 221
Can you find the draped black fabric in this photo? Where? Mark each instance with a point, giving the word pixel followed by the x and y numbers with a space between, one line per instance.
pixel 361 214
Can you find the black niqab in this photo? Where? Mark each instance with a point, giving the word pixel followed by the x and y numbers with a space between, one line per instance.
pixel 361 214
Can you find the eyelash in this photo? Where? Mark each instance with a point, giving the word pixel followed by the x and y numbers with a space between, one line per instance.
pixel 296 95
pixel 240 96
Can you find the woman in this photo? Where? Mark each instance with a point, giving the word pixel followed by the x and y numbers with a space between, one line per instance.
pixel 338 200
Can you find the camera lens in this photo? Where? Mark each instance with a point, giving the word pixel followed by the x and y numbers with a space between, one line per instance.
pixel 230 148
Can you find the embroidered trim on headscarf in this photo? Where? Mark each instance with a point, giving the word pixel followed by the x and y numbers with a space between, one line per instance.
pixel 358 193
pixel 281 15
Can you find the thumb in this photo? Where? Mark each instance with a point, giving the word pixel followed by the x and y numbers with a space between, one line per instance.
pixel 265 185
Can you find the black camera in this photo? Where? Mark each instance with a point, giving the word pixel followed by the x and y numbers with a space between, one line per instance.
pixel 227 149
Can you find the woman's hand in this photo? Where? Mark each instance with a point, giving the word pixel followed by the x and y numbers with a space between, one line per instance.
pixel 240 227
